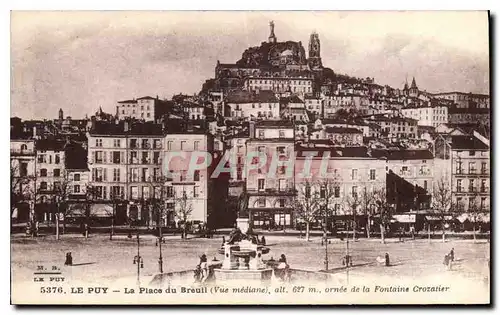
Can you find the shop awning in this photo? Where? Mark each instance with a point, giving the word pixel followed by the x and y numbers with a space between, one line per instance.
pixel 480 217
pixel 405 218
pixel 101 210
pixel 76 210
pixel 438 218
pixel 96 210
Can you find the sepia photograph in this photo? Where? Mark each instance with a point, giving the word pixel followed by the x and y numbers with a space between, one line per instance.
pixel 250 157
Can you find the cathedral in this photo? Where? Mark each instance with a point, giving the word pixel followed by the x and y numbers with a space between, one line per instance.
pixel 272 59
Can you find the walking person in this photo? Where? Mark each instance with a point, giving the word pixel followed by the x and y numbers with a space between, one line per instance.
pixel 452 254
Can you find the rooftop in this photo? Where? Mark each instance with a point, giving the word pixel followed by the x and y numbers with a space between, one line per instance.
pixel 467 142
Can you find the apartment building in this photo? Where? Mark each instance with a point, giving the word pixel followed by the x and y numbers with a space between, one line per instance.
pixel 427 116
pixel 270 187
pixel 142 108
pixel 125 165
pixel 255 105
pixel 22 168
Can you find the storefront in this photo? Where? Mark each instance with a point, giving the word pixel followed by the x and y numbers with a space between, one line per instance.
pixel 271 218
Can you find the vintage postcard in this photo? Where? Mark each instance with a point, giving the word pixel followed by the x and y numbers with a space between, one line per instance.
pixel 250 157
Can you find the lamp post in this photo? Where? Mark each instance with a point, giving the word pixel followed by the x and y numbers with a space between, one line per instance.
pixel 325 237
pixel 160 238
pixel 138 261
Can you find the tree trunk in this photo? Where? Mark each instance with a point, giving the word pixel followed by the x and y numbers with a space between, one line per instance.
pixel 354 229
pixel 429 232
pixel 368 226
pixel 474 231
pixel 443 232
pixel 307 231
pixel 382 233
pixel 57 226
pixel 64 224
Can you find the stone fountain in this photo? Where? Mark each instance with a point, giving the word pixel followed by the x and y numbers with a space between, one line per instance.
pixel 243 260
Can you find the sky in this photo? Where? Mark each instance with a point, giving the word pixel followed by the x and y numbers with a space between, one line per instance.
pixel 79 61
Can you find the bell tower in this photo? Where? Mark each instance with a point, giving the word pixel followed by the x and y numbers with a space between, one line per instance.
pixel 314 51
pixel 272 37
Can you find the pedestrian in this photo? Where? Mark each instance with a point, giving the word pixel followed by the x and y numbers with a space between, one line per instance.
pixel 452 254
pixel 446 261
pixel 387 260
pixel 223 240
pixel 69 259
pixel 37 226
pixel 263 240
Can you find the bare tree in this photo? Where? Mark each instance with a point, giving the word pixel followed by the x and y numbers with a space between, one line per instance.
pixel 61 196
pixel 353 201
pixel 475 212
pixel 441 202
pixel 306 204
pixel 367 203
pixel 384 209
pixel 183 210
pixel 20 187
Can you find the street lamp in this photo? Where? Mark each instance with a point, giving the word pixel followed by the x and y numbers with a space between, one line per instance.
pixel 138 261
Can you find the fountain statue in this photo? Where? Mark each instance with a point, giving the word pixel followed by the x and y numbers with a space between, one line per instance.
pixel 243 259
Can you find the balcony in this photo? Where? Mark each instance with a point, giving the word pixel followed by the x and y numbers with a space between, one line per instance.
pixel 272 192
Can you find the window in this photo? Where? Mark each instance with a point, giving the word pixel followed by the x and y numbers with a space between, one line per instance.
pixel 145 158
pixel 197 175
pixel 134 175
pixel 116 157
pixel 57 172
pixel 76 189
pixel 196 145
pixel 322 192
pixel 183 145
pixel 336 208
pixel 170 145
pixel 196 192
pixel 459 185
pixel 170 191
pixel 354 191
pixel 425 184
pixel 308 191
pixel 43 172
pixel 157 143
pixel 282 134
pixel 483 168
pixel 98 143
pixel 133 157
pixel 336 191
pixel 472 153
pixel 133 143
pixel 281 150
pixel 472 167
pixel 116 143
pixel 145 144
pixel 483 203
pixel 354 174
pixel 372 175
pixel 42 158
pixel 472 187
pixel 156 157
pixel 261 133
pixel 43 185
pixel 57 159
pixel 99 157
pixel 261 184
pixel 23 169
pixel 116 175
pixel 282 203
pixel 459 167
pixel 483 185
